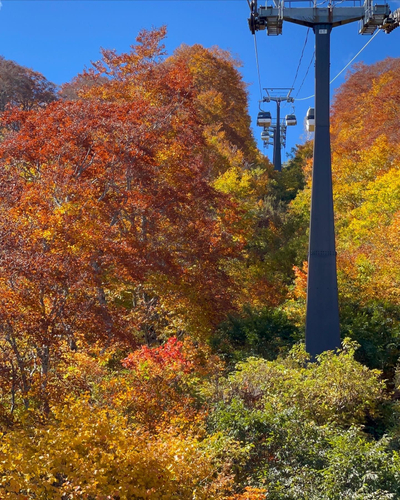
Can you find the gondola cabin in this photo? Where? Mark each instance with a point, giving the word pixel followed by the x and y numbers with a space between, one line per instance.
pixel 310 120
pixel 265 136
pixel 264 119
pixel 290 120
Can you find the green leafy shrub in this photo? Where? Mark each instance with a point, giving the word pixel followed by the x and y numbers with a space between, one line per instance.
pixel 336 389
pixel 304 426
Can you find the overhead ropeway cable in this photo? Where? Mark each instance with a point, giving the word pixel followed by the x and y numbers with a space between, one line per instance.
pixel 256 54
pixel 347 65
pixel 304 79
pixel 257 64
pixel 301 58
pixel 358 53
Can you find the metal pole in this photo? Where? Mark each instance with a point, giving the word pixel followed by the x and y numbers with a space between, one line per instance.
pixel 277 142
pixel 322 319
pixel 273 147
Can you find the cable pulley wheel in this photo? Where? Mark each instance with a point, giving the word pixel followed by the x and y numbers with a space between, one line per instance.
pixel 253 24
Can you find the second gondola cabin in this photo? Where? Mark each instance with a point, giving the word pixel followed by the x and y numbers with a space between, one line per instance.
pixel 265 136
pixel 290 120
pixel 264 119
pixel 310 120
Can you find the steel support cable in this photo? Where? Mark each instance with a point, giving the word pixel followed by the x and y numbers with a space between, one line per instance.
pixel 301 58
pixel 358 53
pixel 304 79
pixel 258 66
pixel 347 65
pixel 256 52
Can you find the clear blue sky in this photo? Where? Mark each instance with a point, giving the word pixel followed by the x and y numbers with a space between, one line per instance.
pixel 59 38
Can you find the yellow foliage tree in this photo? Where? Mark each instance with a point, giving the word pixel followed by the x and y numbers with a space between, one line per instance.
pixel 90 452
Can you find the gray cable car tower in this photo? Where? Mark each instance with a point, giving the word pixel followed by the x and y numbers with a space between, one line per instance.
pixel 280 128
pixel 322 319
pixel 276 132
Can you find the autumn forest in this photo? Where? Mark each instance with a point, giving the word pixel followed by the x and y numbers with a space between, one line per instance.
pixel 153 271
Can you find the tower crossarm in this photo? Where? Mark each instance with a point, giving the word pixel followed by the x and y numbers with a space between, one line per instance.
pixel 333 16
pixel 370 15
pixel 271 18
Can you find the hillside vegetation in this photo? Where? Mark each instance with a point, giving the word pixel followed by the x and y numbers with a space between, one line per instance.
pixel 152 288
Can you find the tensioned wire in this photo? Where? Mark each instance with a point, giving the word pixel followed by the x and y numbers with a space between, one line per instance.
pixel 301 58
pixel 258 66
pixel 305 76
pixel 256 53
pixel 347 65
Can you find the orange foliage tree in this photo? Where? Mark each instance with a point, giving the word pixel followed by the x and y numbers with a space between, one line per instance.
pixel 366 163
pixel 238 169
pixel 111 229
